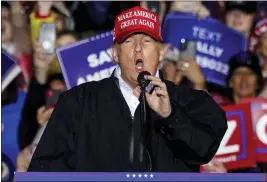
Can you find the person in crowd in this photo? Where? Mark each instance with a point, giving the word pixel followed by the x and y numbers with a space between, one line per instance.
pixel 15 38
pixel 244 77
pixel 65 37
pixel 50 12
pixel 244 81
pixel 196 8
pixel 262 9
pixel 158 7
pixel 187 124
pixel 105 12
pixel 188 72
pixel 45 66
pixel 258 44
pixel 240 15
pixel 7 43
pixel 182 71
pixel 35 114
pixel 216 9
pixel 55 82
pixel 64 19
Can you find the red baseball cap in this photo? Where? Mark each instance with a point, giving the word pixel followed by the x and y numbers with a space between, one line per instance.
pixel 136 20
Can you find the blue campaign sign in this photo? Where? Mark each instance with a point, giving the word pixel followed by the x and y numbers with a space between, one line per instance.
pixel 216 43
pixel 87 60
pixel 38 176
pixel 9 69
pixel 10 121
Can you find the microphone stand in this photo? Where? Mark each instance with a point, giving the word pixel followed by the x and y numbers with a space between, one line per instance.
pixel 144 124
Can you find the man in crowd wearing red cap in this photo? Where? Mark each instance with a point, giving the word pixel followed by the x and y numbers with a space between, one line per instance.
pixel 96 126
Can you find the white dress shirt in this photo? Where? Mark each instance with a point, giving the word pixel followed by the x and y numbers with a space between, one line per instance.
pixel 127 92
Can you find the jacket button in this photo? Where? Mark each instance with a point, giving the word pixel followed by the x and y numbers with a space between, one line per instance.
pixel 41 164
pixel 162 130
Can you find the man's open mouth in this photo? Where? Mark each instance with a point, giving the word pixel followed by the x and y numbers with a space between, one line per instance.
pixel 139 65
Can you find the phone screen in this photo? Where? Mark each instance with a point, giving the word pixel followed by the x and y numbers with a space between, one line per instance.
pixel 52 97
pixel 47 35
pixel 187 49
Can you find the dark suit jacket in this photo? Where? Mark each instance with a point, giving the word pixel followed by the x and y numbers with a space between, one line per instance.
pixel 91 129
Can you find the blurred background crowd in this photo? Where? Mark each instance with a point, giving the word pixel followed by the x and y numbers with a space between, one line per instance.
pixel 75 20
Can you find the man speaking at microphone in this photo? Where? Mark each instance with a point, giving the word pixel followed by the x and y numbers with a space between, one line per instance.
pixel 96 126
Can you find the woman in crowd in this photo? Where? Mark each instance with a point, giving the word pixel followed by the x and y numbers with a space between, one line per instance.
pixel 47 75
pixel 45 66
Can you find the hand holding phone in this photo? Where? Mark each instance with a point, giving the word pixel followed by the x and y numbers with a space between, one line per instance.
pixel 47 37
pixel 187 49
pixel 52 97
pixel 191 70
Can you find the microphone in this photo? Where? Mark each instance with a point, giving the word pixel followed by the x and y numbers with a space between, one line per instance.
pixel 144 125
pixel 141 79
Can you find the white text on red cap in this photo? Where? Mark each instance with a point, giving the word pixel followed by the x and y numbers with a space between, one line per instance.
pixel 137 13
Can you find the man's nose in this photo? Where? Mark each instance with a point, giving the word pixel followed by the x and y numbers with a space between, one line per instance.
pixel 244 77
pixel 138 47
pixel 238 15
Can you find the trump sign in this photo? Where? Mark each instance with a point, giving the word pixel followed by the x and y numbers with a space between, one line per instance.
pixel 236 149
pixel 259 122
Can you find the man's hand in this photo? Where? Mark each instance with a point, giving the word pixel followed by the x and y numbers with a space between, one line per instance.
pixel 214 167
pixel 16 7
pixel 43 115
pixel 159 100
pixel 44 7
pixel 41 59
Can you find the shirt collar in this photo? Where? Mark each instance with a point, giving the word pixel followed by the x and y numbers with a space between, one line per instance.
pixel 122 83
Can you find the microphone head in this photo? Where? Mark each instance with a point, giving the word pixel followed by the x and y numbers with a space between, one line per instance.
pixel 141 78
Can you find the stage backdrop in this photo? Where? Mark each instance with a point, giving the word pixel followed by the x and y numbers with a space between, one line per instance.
pixel 139 176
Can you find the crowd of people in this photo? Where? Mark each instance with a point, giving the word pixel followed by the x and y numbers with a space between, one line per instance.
pixel 77 20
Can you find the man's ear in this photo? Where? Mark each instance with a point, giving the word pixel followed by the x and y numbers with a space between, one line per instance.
pixel 164 48
pixel 114 53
